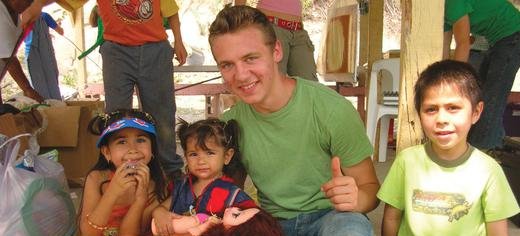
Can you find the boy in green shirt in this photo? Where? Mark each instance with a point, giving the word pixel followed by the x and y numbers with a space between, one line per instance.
pixel 446 186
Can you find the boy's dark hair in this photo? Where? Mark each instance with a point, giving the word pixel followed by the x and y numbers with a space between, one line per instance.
pixel 449 72
pixel 232 19
pixel 101 122
pixel 224 133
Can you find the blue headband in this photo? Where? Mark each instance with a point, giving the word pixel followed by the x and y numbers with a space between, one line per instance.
pixel 126 123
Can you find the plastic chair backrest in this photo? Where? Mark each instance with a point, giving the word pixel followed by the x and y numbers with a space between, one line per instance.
pixel 388 67
pixel 385 109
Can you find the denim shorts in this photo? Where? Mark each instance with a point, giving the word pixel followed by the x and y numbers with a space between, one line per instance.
pixel 328 223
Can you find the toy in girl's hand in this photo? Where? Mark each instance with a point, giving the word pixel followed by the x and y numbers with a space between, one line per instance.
pixel 133 167
pixel 236 221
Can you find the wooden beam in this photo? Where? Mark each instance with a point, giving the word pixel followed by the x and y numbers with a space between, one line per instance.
pixel 421 45
pixel 371 40
pixel 79 40
pixel 375 34
pixel 213 91
pixel 374 49
pixel 219 88
pixel 363 46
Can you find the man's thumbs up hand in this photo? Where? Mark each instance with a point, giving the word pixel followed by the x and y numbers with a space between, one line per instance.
pixel 341 189
pixel 335 167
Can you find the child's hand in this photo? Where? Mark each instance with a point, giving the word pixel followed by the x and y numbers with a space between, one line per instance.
pixel 122 180
pixel 162 223
pixel 180 52
pixel 200 229
pixel 142 175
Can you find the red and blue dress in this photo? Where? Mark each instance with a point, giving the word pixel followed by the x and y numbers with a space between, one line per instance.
pixel 215 198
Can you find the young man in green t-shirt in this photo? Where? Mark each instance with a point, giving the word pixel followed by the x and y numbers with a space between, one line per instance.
pixel 303 144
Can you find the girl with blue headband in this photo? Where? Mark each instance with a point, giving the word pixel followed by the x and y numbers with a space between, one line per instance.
pixel 126 183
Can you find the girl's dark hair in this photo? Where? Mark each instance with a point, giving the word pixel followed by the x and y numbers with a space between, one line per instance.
pixel 449 72
pixel 224 133
pixel 101 122
pixel 262 223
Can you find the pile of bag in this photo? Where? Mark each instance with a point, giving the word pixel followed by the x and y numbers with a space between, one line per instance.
pixel 34 194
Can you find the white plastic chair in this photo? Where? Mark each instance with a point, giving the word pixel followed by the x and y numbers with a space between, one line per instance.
pixel 386 110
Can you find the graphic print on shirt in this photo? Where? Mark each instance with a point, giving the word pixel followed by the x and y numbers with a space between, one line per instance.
pixel 133 11
pixel 453 205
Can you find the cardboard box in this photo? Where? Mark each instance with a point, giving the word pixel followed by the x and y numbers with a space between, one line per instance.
pixel 67 132
pixel 62 127
pixel 8 125
pixel 21 123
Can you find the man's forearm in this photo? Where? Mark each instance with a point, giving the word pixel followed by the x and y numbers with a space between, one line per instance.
pixel 33 11
pixel 15 69
pixel 367 200
pixel 43 2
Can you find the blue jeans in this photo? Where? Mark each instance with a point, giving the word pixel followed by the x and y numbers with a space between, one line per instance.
pixel 497 74
pixel 150 68
pixel 328 223
pixel 476 57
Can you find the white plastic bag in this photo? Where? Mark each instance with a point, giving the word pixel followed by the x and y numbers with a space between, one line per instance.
pixel 33 203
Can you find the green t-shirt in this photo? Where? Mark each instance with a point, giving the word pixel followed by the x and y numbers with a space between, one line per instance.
pixel 447 198
pixel 287 153
pixel 493 19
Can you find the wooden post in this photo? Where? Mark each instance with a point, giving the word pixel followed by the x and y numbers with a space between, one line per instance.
pixel 371 47
pixel 375 44
pixel 421 45
pixel 363 47
pixel 79 40
pixel 371 38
